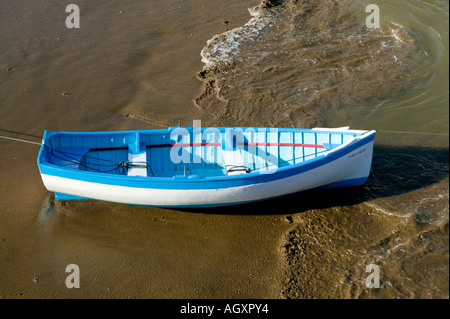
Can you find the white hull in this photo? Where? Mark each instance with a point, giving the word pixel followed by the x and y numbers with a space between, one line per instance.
pixel 353 165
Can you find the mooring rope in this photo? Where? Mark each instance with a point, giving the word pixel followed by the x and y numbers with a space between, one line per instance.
pixel 415 133
pixel 120 167
pixel 382 131
pixel 19 140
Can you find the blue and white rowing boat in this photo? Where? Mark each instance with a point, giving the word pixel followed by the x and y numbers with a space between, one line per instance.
pixel 201 167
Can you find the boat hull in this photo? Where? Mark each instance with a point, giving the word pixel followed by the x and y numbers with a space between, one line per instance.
pixel 348 166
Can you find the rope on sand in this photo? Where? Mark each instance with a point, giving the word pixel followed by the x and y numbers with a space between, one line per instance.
pixel 382 131
pixel 19 140
pixel 416 133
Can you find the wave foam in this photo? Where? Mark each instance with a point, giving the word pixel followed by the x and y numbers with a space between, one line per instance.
pixel 222 47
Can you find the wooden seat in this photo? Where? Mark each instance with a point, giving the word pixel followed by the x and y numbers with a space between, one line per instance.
pixel 232 157
pixel 137 160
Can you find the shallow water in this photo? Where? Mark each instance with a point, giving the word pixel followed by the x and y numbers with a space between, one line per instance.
pixel 312 63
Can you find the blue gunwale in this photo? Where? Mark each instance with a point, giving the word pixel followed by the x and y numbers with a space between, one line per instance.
pixel 212 182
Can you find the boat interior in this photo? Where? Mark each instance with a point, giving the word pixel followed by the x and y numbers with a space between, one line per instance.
pixel 184 152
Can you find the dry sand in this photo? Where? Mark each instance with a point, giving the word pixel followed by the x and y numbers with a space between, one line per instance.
pixel 129 66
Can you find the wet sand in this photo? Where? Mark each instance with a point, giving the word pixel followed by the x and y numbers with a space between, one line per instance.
pixel 129 66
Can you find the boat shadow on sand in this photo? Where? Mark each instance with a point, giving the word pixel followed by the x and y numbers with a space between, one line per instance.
pixel 395 170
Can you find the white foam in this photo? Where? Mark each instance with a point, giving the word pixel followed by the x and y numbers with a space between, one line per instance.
pixel 222 47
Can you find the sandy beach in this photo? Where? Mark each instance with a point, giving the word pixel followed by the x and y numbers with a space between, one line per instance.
pixel 137 65
pixel 129 66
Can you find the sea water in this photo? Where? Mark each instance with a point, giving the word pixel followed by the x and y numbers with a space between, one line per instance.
pixel 317 63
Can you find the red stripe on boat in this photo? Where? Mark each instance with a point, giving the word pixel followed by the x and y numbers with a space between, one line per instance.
pixel 284 144
pixel 208 144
